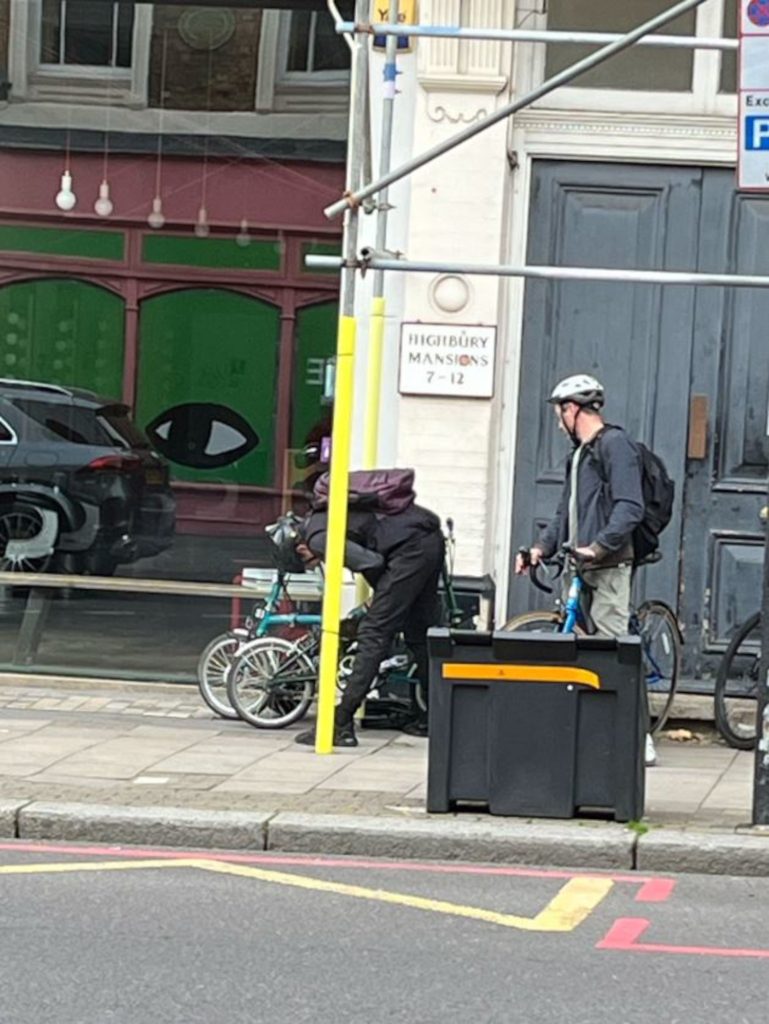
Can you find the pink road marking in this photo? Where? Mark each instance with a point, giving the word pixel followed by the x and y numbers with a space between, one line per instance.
pixel 653 885
pixel 626 931
pixel 656 890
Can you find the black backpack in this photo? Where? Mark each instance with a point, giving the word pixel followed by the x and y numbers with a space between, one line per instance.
pixel 658 494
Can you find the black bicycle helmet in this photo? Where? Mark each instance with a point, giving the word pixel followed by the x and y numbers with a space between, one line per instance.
pixel 285 534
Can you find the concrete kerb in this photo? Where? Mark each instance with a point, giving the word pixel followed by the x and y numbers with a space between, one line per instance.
pixel 9 817
pixel 574 844
pixel 703 853
pixel 143 826
pixel 495 840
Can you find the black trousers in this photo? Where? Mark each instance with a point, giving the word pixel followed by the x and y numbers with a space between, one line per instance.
pixel 405 600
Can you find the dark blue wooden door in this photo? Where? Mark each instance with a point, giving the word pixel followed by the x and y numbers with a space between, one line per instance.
pixel 667 356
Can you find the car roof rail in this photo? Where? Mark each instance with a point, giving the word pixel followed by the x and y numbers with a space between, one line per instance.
pixel 32 385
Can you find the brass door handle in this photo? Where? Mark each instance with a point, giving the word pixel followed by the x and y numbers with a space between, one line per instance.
pixel 698 427
pixel 763 515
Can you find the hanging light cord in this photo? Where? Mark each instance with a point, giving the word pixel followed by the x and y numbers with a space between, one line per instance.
pixel 204 183
pixel 163 68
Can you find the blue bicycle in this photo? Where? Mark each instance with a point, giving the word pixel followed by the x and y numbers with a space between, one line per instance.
pixel 653 621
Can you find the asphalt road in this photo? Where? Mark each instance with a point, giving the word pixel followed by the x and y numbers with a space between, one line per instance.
pixel 99 936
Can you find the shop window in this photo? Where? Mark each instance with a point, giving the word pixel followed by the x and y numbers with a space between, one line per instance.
pixel 303 62
pixel 640 68
pixel 80 50
pixel 62 332
pixel 207 385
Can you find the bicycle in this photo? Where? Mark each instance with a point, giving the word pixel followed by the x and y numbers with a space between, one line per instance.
pixel 217 657
pixel 735 697
pixel 271 682
pixel 653 621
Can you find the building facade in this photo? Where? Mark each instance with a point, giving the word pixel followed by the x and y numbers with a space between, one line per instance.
pixel 235 119
pixel 632 165
pixel 216 136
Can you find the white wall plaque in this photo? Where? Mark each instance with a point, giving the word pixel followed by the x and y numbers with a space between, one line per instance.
pixel 455 360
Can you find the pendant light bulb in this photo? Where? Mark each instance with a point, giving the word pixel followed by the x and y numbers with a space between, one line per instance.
pixel 156 218
pixel 103 205
pixel 202 230
pixel 66 198
pixel 243 239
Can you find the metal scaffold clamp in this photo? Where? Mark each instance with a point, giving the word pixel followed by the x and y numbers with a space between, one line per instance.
pixel 368 254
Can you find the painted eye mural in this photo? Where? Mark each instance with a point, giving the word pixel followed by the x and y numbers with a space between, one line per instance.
pixel 202 435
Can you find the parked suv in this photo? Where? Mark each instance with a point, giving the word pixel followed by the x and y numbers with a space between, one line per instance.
pixel 81 490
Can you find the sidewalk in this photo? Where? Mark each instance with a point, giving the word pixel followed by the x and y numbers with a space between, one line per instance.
pixel 157 747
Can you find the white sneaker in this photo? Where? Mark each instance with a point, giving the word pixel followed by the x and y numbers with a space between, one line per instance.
pixel 650 753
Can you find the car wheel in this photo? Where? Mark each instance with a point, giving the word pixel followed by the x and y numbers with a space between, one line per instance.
pixel 27 538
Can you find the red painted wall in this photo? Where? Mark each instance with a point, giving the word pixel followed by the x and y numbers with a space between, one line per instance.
pixel 267 193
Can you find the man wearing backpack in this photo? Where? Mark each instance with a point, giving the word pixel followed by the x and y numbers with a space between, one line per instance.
pixel 602 504
pixel 400 554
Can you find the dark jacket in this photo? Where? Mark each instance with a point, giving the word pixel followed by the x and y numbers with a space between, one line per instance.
pixel 372 540
pixel 610 499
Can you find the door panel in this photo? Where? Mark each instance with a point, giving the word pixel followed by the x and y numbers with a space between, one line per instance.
pixel 635 338
pixel 723 541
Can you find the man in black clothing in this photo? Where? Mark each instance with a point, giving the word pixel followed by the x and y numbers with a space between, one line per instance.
pixel 400 556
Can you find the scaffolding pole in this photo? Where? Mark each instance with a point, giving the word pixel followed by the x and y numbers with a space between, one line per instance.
pixel 367 261
pixel 378 307
pixel 527 35
pixel 355 198
pixel 345 356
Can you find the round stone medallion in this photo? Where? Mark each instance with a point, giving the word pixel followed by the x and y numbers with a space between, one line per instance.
pixel 450 293
pixel 207 28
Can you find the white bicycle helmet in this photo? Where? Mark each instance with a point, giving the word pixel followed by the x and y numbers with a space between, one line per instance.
pixel 580 388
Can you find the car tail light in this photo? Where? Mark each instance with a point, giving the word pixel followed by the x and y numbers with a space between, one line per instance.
pixel 115 464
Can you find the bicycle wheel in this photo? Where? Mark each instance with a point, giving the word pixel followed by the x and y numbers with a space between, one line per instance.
pixel 213 666
pixel 534 622
pixel 657 627
pixel 271 683
pixel 736 691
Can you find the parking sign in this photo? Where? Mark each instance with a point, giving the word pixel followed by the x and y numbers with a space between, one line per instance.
pixel 753 162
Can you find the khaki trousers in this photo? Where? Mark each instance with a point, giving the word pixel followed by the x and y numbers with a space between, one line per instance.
pixel 610 608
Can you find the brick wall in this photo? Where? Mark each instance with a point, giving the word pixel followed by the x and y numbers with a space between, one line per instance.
pixel 232 66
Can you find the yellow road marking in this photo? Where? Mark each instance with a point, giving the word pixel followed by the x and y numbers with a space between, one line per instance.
pixel 575 901
pixel 578 898
pixel 98 865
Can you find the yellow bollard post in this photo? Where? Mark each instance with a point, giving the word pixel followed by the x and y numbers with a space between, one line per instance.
pixel 337 532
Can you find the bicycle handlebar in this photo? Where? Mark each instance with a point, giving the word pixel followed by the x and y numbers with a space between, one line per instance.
pixel 534 570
